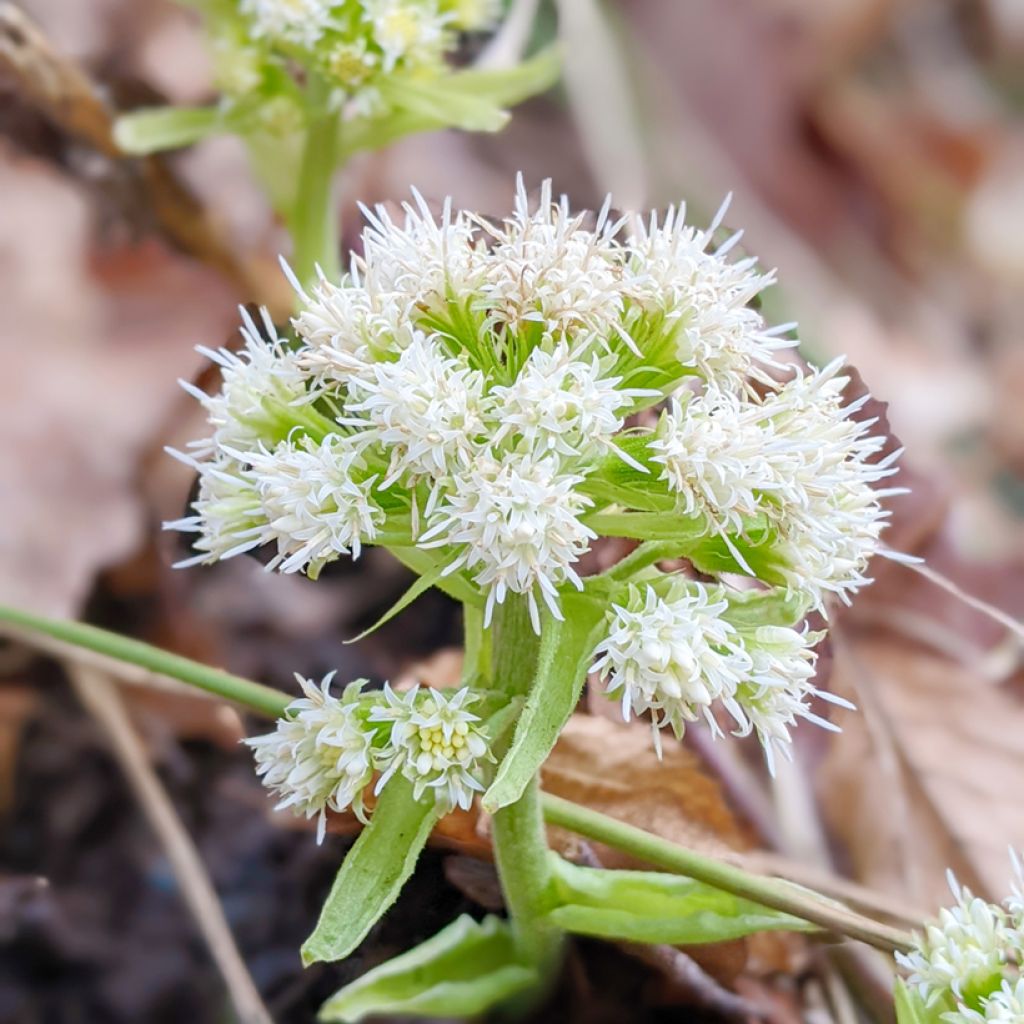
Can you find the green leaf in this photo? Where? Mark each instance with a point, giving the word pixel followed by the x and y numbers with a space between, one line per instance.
pixel 566 648
pixel 425 563
pixel 462 971
pixel 160 128
pixel 752 608
pixel 649 906
pixel 424 107
pixel 373 873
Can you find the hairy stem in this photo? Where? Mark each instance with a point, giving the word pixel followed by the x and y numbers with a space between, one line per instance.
pixel 520 842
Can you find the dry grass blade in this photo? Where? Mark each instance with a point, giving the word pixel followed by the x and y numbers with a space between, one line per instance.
pixel 100 696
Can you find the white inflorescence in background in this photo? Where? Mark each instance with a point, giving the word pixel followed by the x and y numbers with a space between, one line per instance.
pixel 966 966
pixel 471 389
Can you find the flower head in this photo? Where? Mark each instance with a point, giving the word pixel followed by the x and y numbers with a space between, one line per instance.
pixel 435 743
pixel 516 524
pixel 294 21
pixel 318 757
pixel 425 409
pixel 673 657
pixel 963 952
pixel 317 501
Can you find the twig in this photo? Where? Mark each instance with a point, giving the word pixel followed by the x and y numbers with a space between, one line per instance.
pixel 58 88
pixel 102 699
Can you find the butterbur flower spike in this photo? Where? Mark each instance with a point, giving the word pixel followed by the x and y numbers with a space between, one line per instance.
pixel 318 758
pixel 434 742
pixel 966 966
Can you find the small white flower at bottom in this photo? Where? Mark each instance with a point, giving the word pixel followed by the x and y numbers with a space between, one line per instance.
pixel 318 758
pixel 517 522
pixel 674 657
pixel 963 952
pixel 435 743
pixel 1004 1006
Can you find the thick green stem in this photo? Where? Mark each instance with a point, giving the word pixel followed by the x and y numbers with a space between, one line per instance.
pixel 314 220
pixel 520 842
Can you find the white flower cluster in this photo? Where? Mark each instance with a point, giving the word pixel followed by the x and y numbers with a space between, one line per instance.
pixel 967 965
pixel 351 42
pixel 794 456
pixel 325 750
pixel 471 388
pixel 678 655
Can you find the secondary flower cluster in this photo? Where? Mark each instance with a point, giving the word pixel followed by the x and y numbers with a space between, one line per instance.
pixel 358 46
pixel 487 398
pixel 967 965
pixel 677 655
pixel 325 750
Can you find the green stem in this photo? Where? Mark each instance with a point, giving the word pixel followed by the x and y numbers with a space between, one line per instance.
pixel 521 854
pixel 772 892
pixel 314 221
pixel 263 699
pixel 520 842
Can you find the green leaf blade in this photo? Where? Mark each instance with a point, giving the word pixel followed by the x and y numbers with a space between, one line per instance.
pixel 462 971
pixel 652 907
pixel 566 648
pixel 159 128
pixel 373 873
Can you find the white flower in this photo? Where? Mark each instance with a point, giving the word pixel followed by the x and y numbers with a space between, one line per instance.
pixel 317 501
pixel 435 742
pixel 295 21
pixel 719 335
pixel 1005 1006
pixel 318 758
pixel 409 32
pixel 717 456
pixel 673 656
pixel 423 261
pixel 227 514
pixel 343 325
pixel 562 404
pixel 546 270
pixel 517 522
pixel 262 375
pixel 778 686
pixel 425 408
pixel 962 952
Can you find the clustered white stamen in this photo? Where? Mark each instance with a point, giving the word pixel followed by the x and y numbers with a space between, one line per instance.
pixel 966 966
pixel 317 501
pixel 677 655
pixel 325 750
pixel 517 524
pixel 319 757
pixel 425 408
pixel 720 335
pixel 435 743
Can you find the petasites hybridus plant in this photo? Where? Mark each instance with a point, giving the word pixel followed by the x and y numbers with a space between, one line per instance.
pixel 966 966
pixel 488 400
